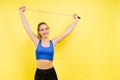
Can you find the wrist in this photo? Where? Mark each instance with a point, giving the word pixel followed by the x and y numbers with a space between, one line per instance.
pixel 76 20
pixel 21 11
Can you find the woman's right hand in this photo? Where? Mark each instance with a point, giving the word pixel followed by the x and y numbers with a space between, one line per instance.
pixel 22 9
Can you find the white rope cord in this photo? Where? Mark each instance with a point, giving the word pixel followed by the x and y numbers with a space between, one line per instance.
pixel 50 12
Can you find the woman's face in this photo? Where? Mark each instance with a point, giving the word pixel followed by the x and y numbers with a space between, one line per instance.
pixel 44 30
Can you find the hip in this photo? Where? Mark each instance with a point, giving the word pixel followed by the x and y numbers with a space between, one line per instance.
pixel 47 74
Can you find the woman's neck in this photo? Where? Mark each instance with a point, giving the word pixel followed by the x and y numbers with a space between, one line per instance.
pixel 45 39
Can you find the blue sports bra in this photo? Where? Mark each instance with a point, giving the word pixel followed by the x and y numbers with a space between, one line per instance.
pixel 45 53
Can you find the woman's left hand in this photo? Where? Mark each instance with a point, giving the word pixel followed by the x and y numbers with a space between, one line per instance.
pixel 75 16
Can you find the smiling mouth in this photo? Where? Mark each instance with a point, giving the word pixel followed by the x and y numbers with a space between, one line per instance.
pixel 45 33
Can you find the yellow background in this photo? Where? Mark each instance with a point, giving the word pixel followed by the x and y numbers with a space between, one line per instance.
pixel 90 52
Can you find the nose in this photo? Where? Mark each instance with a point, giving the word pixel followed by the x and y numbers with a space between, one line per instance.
pixel 45 32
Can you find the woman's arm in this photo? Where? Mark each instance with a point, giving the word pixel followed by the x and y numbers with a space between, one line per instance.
pixel 26 26
pixel 68 31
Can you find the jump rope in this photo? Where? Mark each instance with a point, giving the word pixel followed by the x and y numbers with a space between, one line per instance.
pixel 51 12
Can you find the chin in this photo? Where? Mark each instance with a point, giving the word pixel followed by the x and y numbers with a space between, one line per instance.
pixel 45 36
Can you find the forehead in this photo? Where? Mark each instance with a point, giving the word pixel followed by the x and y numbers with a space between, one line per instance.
pixel 43 26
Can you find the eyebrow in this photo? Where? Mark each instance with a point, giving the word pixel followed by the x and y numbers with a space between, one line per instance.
pixel 45 28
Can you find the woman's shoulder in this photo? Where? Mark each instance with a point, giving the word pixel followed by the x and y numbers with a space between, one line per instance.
pixel 53 41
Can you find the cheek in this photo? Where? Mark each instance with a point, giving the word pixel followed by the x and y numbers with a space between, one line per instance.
pixel 40 32
pixel 47 31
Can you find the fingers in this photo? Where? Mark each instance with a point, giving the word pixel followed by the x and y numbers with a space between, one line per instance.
pixel 22 8
pixel 75 16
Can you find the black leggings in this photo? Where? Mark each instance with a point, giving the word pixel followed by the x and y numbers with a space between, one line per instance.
pixel 47 74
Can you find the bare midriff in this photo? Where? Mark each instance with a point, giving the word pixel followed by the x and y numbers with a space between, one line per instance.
pixel 44 64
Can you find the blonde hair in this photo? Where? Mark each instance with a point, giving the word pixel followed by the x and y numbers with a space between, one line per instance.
pixel 38 35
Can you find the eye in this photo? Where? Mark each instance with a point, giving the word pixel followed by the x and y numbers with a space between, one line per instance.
pixel 41 29
pixel 46 28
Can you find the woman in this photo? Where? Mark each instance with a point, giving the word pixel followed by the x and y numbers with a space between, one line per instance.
pixel 45 47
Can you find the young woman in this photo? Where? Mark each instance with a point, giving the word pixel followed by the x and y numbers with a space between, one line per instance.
pixel 45 47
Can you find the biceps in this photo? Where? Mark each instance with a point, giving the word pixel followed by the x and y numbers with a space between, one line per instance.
pixel 34 38
pixel 57 39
